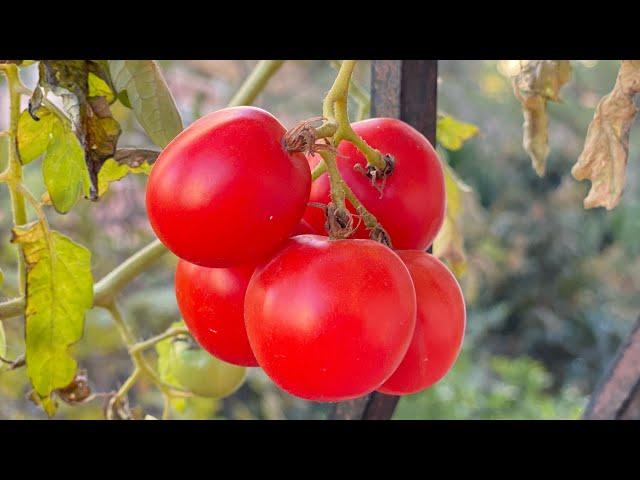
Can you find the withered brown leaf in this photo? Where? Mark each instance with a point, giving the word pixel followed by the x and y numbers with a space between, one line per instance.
pixel 606 148
pixel 538 82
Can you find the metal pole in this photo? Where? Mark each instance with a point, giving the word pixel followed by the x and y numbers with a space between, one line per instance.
pixel 617 397
pixel 405 89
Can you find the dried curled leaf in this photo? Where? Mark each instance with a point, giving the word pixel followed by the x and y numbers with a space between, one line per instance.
pixel 86 90
pixel 539 81
pixel 606 148
pixel 449 243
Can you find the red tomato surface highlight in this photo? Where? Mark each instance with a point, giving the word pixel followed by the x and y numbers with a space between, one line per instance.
pixel 303 228
pixel 225 191
pixel 211 301
pixel 330 320
pixel 439 329
pixel 412 205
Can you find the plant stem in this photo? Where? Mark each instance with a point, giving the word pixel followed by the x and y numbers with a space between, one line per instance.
pixel 13 174
pixel 109 286
pixel 255 82
pixel 336 183
pixel 146 344
pixel 358 93
pixel 166 407
pixel 335 107
pixel 341 191
pixel 12 308
pixel 318 170
pixel 128 383
pixel 141 365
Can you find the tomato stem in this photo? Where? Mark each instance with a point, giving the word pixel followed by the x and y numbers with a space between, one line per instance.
pixel 358 93
pixel 318 170
pixel 151 342
pixel 335 110
pixel 140 364
pixel 335 107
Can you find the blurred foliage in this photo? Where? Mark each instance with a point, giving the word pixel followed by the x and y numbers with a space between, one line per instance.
pixel 503 389
pixel 551 288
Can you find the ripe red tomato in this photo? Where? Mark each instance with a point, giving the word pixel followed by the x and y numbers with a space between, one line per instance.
pixel 330 320
pixel 439 328
pixel 211 301
pixel 413 201
pixel 225 191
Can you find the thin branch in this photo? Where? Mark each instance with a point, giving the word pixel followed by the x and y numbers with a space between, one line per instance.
pixel 255 82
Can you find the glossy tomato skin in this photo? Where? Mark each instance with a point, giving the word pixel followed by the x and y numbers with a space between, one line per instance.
pixel 211 301
pixel 303 228
pixel 330 320
pixel 439 329
pixel 413 202
pixel 225 191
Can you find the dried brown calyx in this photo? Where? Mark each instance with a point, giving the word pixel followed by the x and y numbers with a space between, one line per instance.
pixel 378 176
pixel 304 138
pixel 77 391
pixel 379 234
pixel 339 221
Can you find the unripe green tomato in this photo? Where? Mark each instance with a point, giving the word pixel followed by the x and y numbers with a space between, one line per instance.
pixel 203 374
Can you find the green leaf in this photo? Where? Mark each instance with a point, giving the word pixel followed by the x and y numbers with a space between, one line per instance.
pixel 127 160
pixel 59 292
pixel 99 88
pixel 64 169
pixel 34 136
pixel 452 133
pixel 149 97
pixel 449 243
pixel 165 354
pixel 124 98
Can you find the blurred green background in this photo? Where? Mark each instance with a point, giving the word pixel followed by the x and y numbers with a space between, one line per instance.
pixel 551 289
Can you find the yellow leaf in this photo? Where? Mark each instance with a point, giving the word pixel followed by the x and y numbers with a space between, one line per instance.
pixel 99 88
pixel 452 133
pixel 606 148
pixel 59 292
pixel 449 243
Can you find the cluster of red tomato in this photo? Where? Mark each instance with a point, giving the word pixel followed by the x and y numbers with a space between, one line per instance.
pixel 260 284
